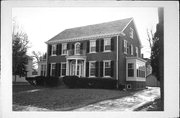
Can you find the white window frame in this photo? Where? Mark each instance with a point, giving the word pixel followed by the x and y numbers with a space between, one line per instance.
pixel 90 45
pixel 64 44
pixel 104 67
pixel 75 46
pixel 131 68
pixel 62 68
pixel 132 49
pixel 90 68
pixel 51 67
pixel 131 33
pixel 125 46
pixel 105 39
pixel 137 52
pixel 52 50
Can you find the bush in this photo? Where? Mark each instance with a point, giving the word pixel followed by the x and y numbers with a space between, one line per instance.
pixel 40 80
pixel 31 80
pixel 70 81
pixel 83 82
pixel 52 81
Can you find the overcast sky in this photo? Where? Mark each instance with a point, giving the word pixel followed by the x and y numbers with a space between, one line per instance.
pixel 43 23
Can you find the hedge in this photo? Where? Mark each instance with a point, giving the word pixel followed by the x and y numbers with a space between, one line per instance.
pixel 83 82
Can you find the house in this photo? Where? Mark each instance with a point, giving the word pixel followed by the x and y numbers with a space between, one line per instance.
pixel 106 50
pixel 29 70
pixel 42 65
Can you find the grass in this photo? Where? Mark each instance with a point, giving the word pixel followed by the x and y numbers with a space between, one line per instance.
pixel 63 98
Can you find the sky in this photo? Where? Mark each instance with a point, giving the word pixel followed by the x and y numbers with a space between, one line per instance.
pixel 43 23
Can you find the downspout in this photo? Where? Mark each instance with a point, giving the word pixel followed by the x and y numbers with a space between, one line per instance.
pixel 117 51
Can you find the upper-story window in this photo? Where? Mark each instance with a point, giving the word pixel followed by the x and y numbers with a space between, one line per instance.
pixel 107 44
pixel 92 46
pixel 64 48
pixel 53 51
pixel 125 47
pixel 131 33
pixel 137 51
pixel 77 48
pixel 131 49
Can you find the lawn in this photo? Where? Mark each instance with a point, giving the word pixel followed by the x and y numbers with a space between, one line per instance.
pixel 62 99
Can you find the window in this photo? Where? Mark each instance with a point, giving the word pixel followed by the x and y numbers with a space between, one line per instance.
pixel 128 86
pixel 140 70
pixel 131 49
pixel 125 47
pixel 53 50
pixel 131 33
pixel 92 69
pixel 92 46
pixel 63 69
pixel 107 44
pixel 107 68
pixel 64 48
pixel 130 70
pixel 77 48
pixel 53 67
pixel 137 51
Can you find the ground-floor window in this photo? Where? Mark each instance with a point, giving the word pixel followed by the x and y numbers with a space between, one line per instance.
pixel 53 69
pixel 130 70
pixel 107 68
pixel 63 68
pixel 92 69
pixel 140 71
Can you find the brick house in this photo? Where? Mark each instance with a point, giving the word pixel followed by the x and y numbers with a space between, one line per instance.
pixel 106 50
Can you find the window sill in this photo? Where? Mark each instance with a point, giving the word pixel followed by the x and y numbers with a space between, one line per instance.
pixel 107 51
pixel 91 52
pixel 54 55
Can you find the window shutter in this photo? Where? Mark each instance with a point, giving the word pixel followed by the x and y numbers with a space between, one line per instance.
pixel 57 49
pixel 60 48
pixel 87 49
pixel 101 69
pixel 48 70
pixel 72 46
pixel 49 49
pixel 112 68
pixel 102 45
pixel 112 44
pixel 87 69
pixel 59 71
pixel 97 45
pixel 97 68
pixel 68 46
pixel 81 46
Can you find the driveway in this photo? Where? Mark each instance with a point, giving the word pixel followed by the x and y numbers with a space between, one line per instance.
pixel 129 103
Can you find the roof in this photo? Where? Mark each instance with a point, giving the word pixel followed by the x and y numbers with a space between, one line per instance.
pixel 90 30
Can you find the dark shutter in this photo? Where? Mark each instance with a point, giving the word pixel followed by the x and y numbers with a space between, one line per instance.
pixel 97 68
pixel 112 68
pixel 81 46
pixel 60 48
pixel 101 69
pixel 59 71
pixel 87 69
pixel 57 49
pixel 87 49
pixel 68 46
pixel 112 44
pixel 72 46
pixel 48 70
pixel 97 45
pixel 102 45
pixel 49 49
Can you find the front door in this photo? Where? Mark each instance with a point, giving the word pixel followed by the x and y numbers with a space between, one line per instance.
pixel 79 70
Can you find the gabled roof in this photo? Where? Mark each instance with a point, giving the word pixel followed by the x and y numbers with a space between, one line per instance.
pixel 91 30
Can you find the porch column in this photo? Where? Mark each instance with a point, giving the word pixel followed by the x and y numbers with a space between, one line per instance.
pixel 67 67
pixel 76 67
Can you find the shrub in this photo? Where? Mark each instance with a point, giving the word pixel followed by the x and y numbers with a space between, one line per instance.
pixel 70 81
pixel 31 80
pixel 40 80
pixel 52 81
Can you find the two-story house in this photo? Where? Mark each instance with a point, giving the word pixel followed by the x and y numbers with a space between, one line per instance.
pixel 106 50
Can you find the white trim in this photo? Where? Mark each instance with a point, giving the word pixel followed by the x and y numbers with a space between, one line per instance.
pixel 90 46
pixel 62 48
pixel 61 68
pixel 85 38
pixel 104 67
pixel 90 68
pixel 51 68
pixel 132 50
pixel 131 35
pixel 125 46
pixel 105 39
pixel 137 52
